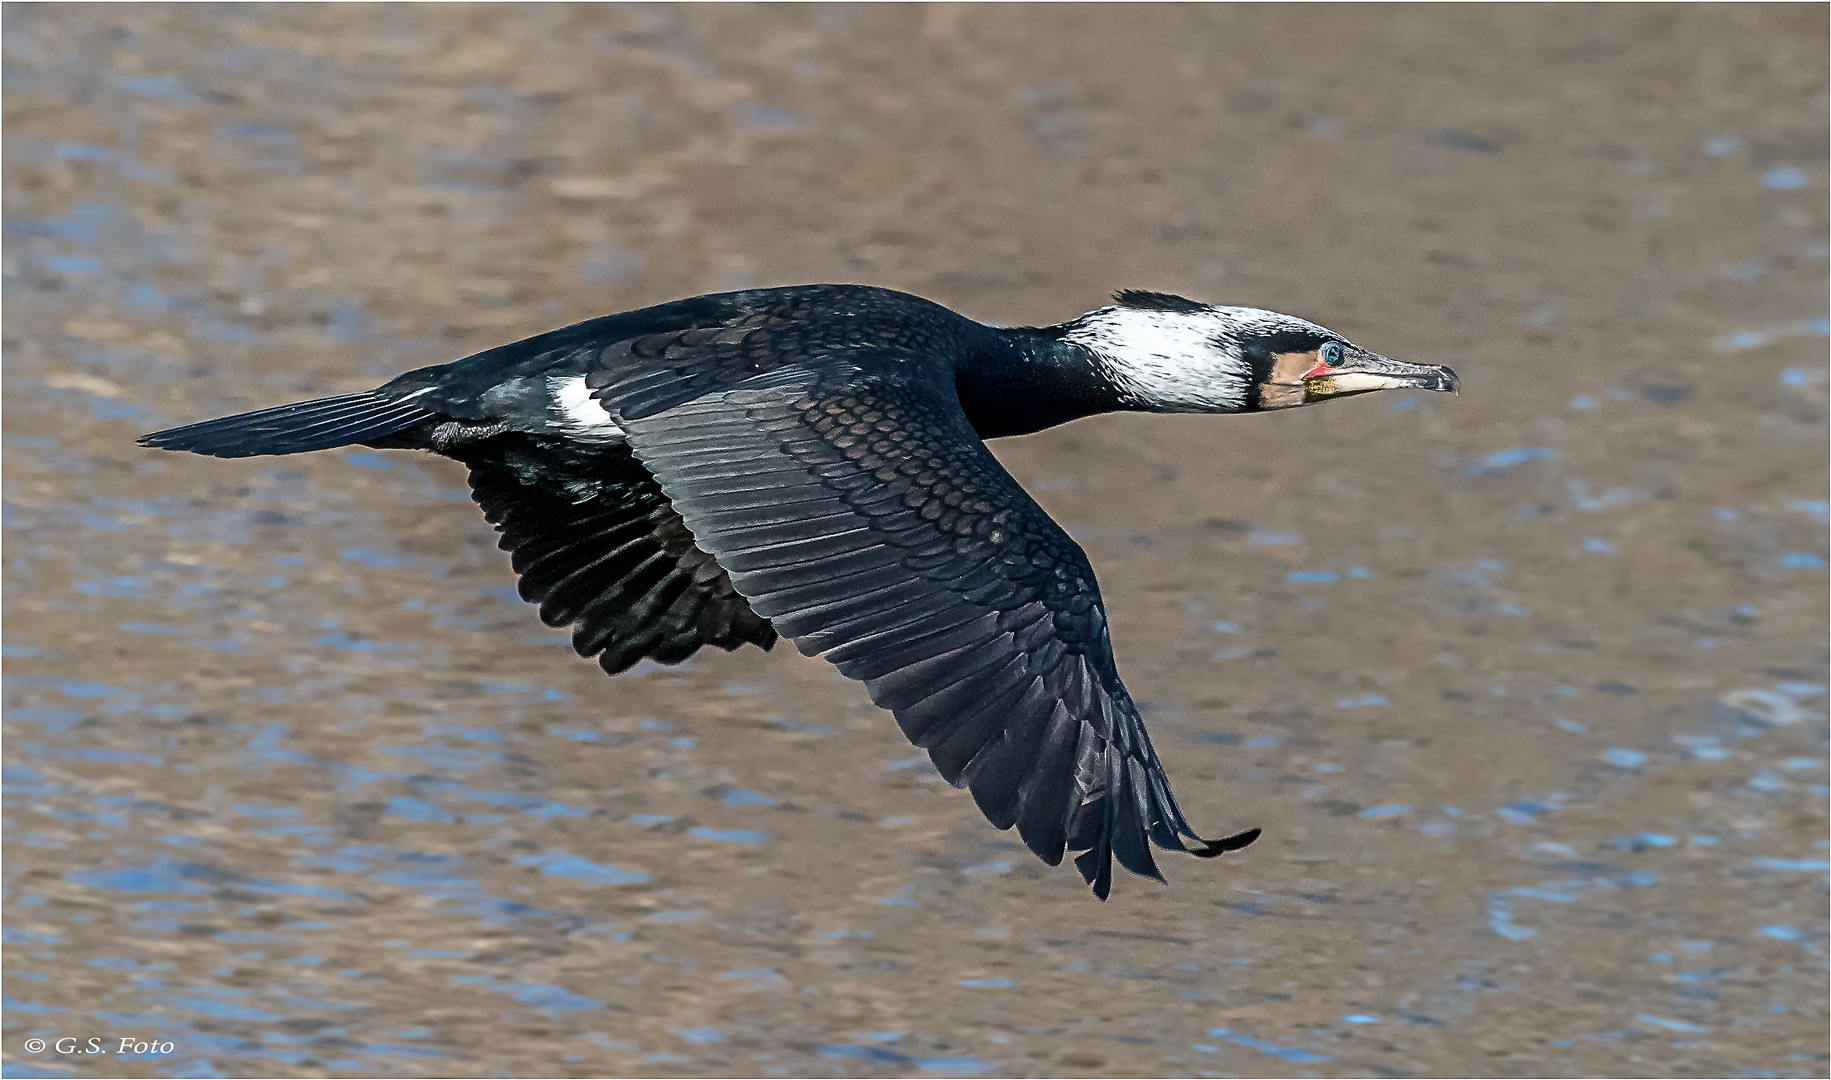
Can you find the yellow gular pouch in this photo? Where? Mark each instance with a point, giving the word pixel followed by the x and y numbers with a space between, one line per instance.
pixel 1341 384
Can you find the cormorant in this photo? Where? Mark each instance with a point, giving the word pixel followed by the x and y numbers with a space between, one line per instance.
pixel 807 461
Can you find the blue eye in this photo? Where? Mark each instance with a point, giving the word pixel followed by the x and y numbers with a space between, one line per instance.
pixel 1331 354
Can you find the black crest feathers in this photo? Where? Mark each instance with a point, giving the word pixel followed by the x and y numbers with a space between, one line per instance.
pixel 1156 301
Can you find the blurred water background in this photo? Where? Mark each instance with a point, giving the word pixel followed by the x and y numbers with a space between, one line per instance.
pixel 1527 688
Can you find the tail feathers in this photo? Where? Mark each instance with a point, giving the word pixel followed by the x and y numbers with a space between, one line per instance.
pixel 294 429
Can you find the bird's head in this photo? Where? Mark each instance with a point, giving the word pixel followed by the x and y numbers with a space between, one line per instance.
pixel 1169 354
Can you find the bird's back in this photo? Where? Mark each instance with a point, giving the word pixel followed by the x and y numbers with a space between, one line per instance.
pixel 727 336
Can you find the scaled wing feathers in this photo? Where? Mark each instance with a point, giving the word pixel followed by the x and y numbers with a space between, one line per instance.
pixel 861 515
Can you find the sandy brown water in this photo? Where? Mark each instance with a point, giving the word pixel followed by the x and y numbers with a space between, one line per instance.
pixel 1526 687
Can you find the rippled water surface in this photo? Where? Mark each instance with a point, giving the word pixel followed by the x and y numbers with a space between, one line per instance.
pixel 1527 688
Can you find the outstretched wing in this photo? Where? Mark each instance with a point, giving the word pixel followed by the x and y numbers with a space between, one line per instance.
pixel 857 510
pixel 599 548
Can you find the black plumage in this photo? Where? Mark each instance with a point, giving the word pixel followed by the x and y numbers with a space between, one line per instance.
pixel 618 565
pixel 989 644
pixel 296 429
pixel 810 462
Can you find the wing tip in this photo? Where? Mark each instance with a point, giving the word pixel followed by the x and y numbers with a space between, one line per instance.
pixel 1096 864
pixel 1096 867
pixel 1213 848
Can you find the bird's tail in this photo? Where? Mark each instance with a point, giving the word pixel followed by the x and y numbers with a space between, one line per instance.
pixel 296 428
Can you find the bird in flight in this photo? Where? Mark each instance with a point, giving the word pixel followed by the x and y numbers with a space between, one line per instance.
pixel 810 462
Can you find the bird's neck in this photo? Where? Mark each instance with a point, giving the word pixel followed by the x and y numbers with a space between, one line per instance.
pixel 1027 378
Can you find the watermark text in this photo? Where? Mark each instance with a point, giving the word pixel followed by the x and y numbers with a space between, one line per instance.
pixel 101 1045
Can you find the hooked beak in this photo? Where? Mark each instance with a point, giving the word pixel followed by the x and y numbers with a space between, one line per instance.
pixel 1362 372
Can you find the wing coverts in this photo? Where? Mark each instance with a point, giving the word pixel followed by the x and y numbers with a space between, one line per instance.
pixel 862 516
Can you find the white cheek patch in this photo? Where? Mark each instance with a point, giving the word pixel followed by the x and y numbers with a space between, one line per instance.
pixel 1169 361
pixel 580 414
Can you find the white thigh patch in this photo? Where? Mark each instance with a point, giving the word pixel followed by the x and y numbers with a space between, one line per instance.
pixel 580 414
